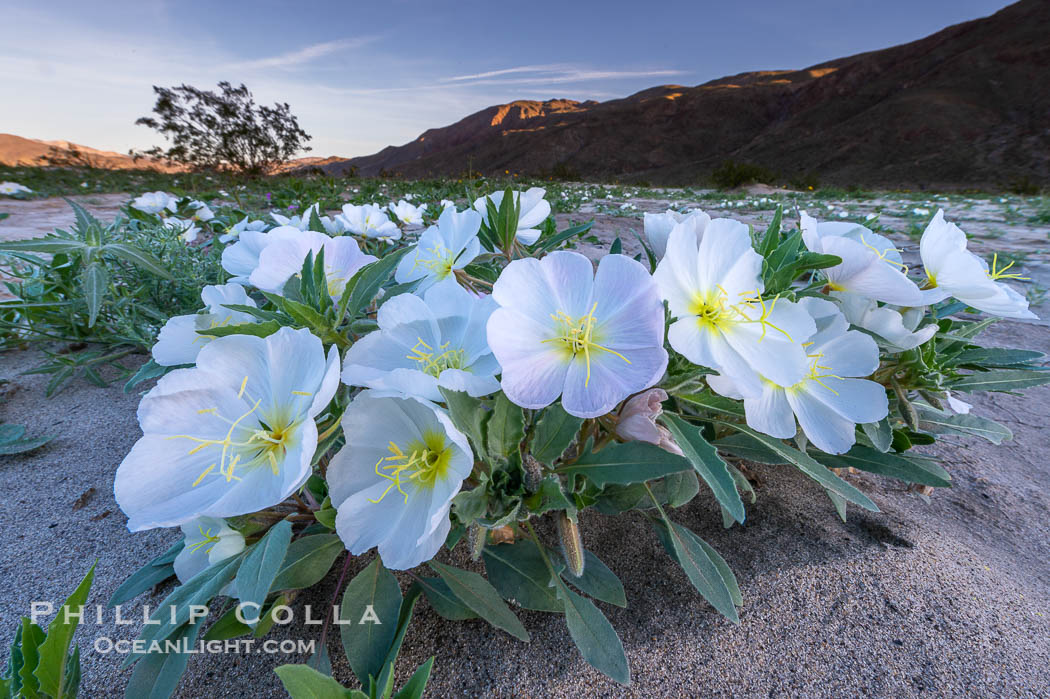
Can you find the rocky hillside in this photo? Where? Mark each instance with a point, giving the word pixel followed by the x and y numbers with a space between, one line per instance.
pixel 969 105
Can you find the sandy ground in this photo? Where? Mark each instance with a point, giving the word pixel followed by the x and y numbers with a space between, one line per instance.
pixel 947 598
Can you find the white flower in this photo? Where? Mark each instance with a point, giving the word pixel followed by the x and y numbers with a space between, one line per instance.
pixel 921 212
pixel 952 270
pixel 234 231
pixel 658 227
pixel 408 214
pixel 534 211
pixel 393 483
pixel 155 202
pixel 409 197
pixel 424 343
pixel 231 436
pixel 594 338
pixel 829 401
pixel 12 188
pixel 201 212
pixel 898 328
pixel 179 341
pixel 206 541
pixel 442 249
pixel 283 258
pixel 871 265
pixel 301 222
pixel 186 229
pixel 957 405
pixel 242 258
pixel 447 204
pixel 369 221
pixel 714 290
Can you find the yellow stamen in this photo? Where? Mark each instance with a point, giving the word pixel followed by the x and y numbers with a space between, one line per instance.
pixel 1001 273
pixel 577 335
pixel 427 461
pixel 433 363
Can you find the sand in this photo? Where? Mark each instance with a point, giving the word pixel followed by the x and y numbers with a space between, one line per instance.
pixel 946 598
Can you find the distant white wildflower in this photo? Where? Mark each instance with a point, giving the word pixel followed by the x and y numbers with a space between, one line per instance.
pixel 155 202
pixel 370 221
pixel 408 214
pixel 186 228
pixel 534 211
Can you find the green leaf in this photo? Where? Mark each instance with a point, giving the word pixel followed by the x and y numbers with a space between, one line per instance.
pixel 995 357
pixel 744 446
pixel 707 576
pixel 708 464
pixel 1001 380
pixel 810 467
pixel 228 626
pixel 11 433
pixel 32 637
pixel 554 432
pixel 48 245
pixel 308 560
pixel 149 370
pixel 772 235
pixel 367 282
pixel 889 464
pixel 373 593
pixel 256 575
pixel 54 651
pixel 93 281
pixel 20 446
pixel 403 621
pixel 880 433
pixel 506 428
pixel 417 683
pixel 623 464
pixel 468 415
pixel 554 241
pixel 157 674
pixel 598 581
pixel 716 403
pixel 475 592
pixel 139 258
pixel 153 573
pixel 304 682
pixel 441 599
pixel 941 422
pixel 519 573
pixel 256 329
pixel 593 634
pixel 174 611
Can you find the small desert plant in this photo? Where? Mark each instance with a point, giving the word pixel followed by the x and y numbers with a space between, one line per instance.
pixel 731 174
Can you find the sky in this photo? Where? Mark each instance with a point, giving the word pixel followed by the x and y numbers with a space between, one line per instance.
pixel 362 76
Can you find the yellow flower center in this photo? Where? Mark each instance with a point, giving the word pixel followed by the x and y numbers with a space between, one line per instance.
pixel 817 372
pixel 440 261
pixel 714 312
pixel 266 444
pixel 207 540
pixel 434 362
pixel 577 336
pixel 422 462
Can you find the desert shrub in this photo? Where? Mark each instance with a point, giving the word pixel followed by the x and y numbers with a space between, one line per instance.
pixel 224 130
pixel 731 174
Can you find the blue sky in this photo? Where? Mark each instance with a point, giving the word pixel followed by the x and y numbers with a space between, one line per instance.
pixel 362 76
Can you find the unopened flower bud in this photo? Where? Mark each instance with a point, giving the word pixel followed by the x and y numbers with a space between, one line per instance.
pixel 571 543
pixel 533 473
pixel 478 538
pixel 637 421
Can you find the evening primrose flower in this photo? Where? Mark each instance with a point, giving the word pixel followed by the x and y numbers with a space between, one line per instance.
pixel 442 249
pixel 179 341
pixel 871 265
pixel 830 401
pixel 408 214
pixel 534 211
pixel 426 343
pixel 301 222
pixel 897 328
pixel 155 203
pixel 231 436
pixel 447 204
pixel 13 188
pixel 713 287
pixel 206 541
pixel 283 258
pixel 234 231
pixel 368 220
pixel 201 212
pixel 952 270
pixel 594 338
pixel 186 229
pixel 658 227
pixel 242 258
pixel 392 484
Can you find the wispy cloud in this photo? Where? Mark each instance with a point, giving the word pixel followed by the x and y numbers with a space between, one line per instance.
pixel 303 55
pixel 554 74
